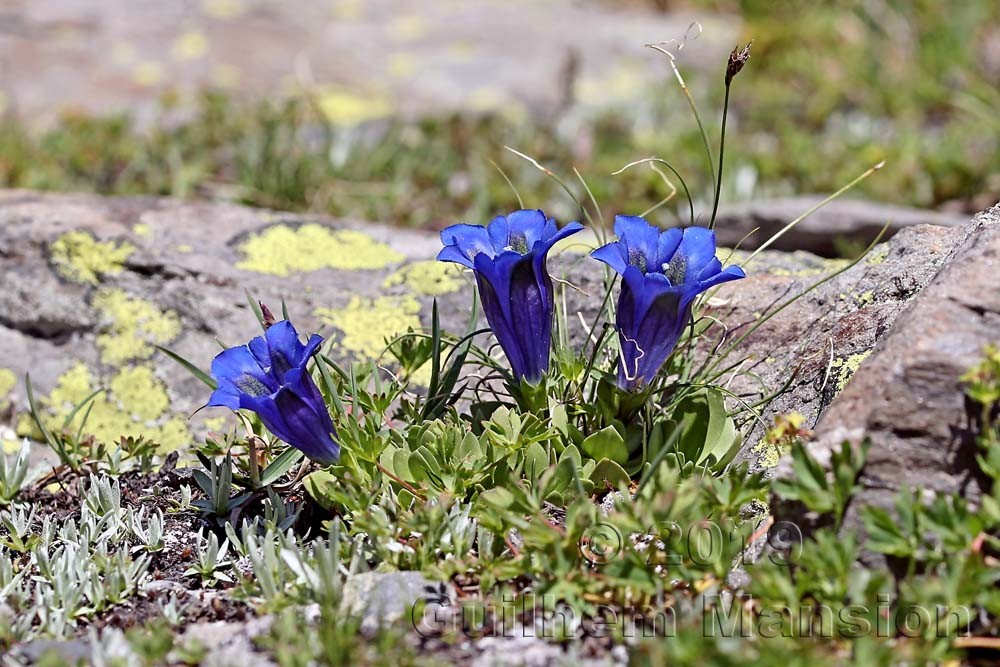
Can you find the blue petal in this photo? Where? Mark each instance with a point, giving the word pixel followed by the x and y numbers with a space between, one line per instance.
pixel 614 254
pixel 285 348
pixel 469 241
pixel 499 233
pixel 453 254
pixel 225 396
pixel 493 278
pixel 641 241
pixel 258 348
pixel 727 274
pixel 532 298
pixel 551 230
pixel 307 429
pixel 239 370
pixel 651 316
pixel 698 248
pixel 667 246
pixel 559 235
pixel 312 346
pixel 519 231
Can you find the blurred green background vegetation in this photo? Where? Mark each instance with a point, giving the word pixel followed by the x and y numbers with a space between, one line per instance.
pixel 831 89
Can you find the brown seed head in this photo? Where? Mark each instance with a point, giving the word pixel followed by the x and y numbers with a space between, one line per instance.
pixel 737 59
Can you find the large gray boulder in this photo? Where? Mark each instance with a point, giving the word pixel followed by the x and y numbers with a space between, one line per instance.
pixel 907 399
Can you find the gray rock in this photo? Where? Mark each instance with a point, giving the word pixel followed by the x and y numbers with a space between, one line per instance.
pixel 907 398
pixel 839 225
pixel 531 651
pixel 384 598
pixel 817 342
pixel 72 652
pixel 228 644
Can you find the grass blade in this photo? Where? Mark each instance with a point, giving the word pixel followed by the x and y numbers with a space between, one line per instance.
pixel 191 368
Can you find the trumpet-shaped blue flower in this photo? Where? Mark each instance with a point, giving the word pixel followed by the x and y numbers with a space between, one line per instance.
pixel 662 274
pixel 268 376
pixel 508 257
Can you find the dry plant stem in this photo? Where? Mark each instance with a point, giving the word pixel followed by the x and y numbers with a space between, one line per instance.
pixel 694 109
pixel 517 195
pixel 409 487
pixel 251 450
pixel 790 225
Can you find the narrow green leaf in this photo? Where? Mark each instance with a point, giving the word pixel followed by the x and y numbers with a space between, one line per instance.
pixel 191 368
pixel 279 466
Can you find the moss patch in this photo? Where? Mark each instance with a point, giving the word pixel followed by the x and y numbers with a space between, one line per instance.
pixel 81 258
pixel 280 250
pixel 430 278
pixel 368 323
pixel 133 326
pixel 135 403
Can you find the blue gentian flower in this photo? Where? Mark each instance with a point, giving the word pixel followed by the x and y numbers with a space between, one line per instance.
pixel 268 376
pixel 508 257
pixel 662 274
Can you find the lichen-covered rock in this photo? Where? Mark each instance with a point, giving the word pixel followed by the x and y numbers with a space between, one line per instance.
pixel 101 282
pixel 907 398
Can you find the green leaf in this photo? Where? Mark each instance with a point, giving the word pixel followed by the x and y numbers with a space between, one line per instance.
pixel 606 444
pixel 535 460
pixel 885 534
pixel 279 466
pixel 707 431
pixel 401 464
pixel 556 480
pixel 79 406
pixel 191 368
pixel 258 312
pixel 559 418
pixel 571 452
pixel 499 497
pixel 608 473
pixel 319 485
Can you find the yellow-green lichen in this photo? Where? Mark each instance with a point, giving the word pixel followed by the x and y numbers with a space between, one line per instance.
pixel 860 300
pixel 368 323
pixel 865 298
pixel 878 256
pixel 142 230
pixel 8 380
pixel 132 326
pixel 135 403
pixel 280 250
pixel 845 367
pixel 430 278
pixel 81 258
pixel 345 107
